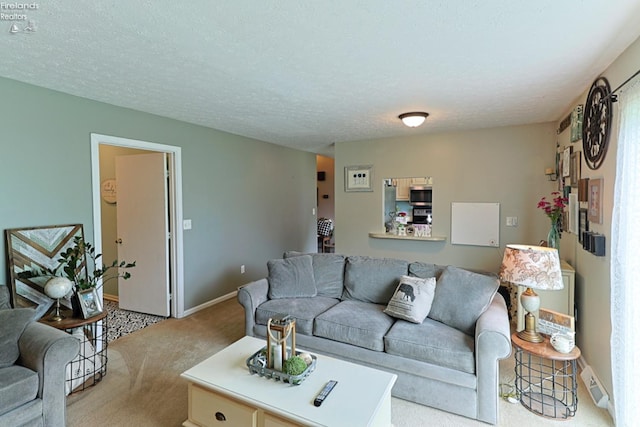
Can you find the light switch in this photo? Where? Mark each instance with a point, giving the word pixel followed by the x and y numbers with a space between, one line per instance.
pixel 186 224
pixel 512 221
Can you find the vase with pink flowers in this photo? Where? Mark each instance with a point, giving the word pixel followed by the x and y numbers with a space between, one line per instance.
pixel 554 209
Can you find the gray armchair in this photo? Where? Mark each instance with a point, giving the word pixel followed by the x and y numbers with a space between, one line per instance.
pixel 33 360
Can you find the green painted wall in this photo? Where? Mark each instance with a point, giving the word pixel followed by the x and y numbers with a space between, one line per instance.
pixel 249 200
pixel 503 165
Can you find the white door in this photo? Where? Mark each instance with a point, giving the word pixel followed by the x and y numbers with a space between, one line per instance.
pixel 142 216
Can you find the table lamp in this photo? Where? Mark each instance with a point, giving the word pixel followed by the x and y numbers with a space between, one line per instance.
pixel 534 267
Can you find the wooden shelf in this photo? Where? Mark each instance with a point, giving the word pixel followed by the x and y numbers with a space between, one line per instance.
pixel 396 237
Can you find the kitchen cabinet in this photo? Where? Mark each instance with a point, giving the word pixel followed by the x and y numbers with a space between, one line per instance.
pixel 402 188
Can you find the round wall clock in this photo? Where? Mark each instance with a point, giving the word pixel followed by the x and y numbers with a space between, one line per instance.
pixel 596 125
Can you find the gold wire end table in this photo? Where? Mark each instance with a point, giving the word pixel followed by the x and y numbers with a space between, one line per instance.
pixel 546 380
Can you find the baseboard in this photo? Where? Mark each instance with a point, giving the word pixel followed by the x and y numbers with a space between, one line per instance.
pixel 190 311
pixel 210 303
pixel 110 297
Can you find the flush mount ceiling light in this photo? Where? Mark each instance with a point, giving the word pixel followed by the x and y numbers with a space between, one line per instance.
pixel 413 120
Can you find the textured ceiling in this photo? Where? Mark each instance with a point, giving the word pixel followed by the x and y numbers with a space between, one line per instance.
pixel 306 74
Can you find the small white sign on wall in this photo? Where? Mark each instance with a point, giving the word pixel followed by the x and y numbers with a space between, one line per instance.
pixel 476 224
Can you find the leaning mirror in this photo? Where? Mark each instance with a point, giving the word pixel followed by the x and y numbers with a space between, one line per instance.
pixel 31 253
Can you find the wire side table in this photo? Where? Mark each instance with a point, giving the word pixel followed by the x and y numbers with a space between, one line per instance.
pixel 546 379
pixel 88 368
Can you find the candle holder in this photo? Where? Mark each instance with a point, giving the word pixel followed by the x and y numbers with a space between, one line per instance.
pixel 281 333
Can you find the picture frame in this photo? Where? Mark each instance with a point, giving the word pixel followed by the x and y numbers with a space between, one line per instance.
pixel 583 190
pixel 90 303
pixel 576 123
pixel 550 321
pixel 358 178
pixel 566 162
pixel 576 159
pixel 31 252
pixel 573 214
pixel 595 200
pixel 583 224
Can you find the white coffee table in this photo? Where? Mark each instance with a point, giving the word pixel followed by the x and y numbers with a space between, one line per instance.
pixel 222 386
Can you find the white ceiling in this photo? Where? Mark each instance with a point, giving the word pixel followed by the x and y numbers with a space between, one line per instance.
pixel 306 74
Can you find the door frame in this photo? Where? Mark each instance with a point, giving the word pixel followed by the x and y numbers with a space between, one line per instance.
pixel 176 258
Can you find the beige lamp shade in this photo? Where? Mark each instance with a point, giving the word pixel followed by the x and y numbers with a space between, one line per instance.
pixel 535 267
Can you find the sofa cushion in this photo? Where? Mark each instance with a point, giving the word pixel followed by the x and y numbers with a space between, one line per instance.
pixel 18 385
pixel 12 324
pixel 461 297
pixel 354 322
pixel 432 342
pixel 412 299
pixel 291 278
pixel 371 279
pixel 328 272
pixel 425 270
pixel 304 310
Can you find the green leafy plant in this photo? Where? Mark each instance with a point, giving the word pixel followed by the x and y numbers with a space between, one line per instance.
pixel 82 254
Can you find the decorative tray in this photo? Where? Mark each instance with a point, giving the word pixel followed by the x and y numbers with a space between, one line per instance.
pixel 257 365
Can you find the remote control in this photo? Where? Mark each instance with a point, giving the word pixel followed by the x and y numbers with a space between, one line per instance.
pixel 325 392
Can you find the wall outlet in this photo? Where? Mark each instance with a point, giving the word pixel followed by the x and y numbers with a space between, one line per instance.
pixel 186 224
pixel 242 269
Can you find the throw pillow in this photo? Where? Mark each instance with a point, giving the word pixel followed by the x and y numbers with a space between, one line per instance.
pixel 328 271
pixel 412 299
pixel 371 279
pixel 291 278
pixel 12 324
pixel 461 297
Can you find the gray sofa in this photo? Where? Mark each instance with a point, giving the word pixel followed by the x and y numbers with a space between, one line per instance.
pixel 33 358
pixel 448 360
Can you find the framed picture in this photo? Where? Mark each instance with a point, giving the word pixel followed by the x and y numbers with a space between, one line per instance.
pixel 583 190
pixel 32 253
pixel 90 303
pixel 358 178
pixel 576 123
pixel 583 224
pixel 566 162
pixel 595 200
pixel 575 168
pixel 573 213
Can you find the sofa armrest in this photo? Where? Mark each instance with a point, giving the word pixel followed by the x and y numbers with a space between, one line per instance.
pixel 250 296
pixel 493 343
pixel 47 351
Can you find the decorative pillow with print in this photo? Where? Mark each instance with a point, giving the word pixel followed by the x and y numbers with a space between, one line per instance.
pixel 412 299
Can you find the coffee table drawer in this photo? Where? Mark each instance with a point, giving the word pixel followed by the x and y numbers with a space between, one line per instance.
pixel 209 409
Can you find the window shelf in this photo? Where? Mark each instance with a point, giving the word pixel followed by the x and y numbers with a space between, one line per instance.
pixel 396 237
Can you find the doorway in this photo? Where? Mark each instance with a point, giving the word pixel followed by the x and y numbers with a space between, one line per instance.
pixel 174 203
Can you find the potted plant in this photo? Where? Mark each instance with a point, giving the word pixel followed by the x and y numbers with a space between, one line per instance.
pixel 81 255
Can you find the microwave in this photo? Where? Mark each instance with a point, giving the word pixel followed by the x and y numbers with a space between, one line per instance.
pixel 420 195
